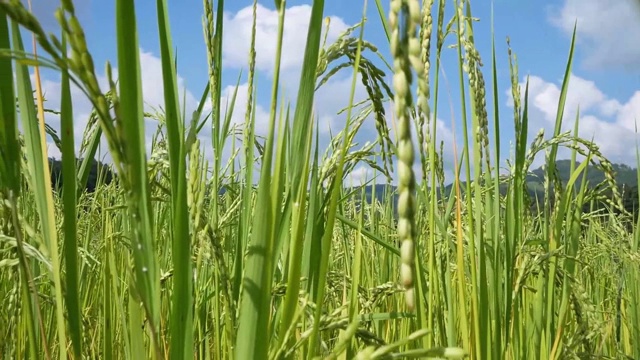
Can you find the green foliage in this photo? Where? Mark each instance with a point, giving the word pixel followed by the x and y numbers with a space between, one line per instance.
pixel 273 254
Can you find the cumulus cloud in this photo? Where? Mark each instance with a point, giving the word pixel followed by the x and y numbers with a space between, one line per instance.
pixel 582 93
pixel 359 175
pixel 608 29
pixel 153 97
pixel 332 97
pixel 237 37
pixel 609 122
pixel 239 110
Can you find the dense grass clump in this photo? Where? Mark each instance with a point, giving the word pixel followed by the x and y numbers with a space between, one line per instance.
pixel 271 254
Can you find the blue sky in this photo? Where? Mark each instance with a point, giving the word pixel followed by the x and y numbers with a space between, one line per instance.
pixel 604 83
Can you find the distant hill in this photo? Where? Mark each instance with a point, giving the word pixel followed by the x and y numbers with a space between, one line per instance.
pixel 97 168
pixel 625 177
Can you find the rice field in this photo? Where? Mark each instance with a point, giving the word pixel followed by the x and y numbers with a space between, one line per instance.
pixel 271 253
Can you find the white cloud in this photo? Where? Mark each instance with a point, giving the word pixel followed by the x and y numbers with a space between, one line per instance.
pixel 332 97
pixel 239 110
pixel 237 37
pixel 609 29
pixel 153 87
pixel 359 175
pixel 582 93
pixel 153 97
pixel 609 122
pixel 627 114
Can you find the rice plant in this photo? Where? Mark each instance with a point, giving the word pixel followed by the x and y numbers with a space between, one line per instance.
pixel 270 253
